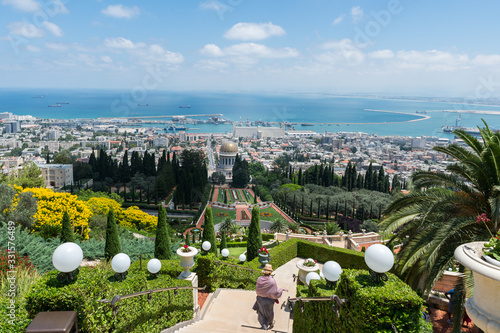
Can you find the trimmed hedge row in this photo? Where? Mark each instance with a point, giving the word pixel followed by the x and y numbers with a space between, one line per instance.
pixel 215 275
pixel 390 306
pixel 135 314
pixel 323 253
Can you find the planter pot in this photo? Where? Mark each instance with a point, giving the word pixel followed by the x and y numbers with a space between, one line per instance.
pixel 264 259
pixel 187 260
pixel 304 270
pixel 484 307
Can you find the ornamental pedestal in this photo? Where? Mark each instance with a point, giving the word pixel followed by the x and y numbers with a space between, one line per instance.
pixel 484 307
pixel 304 270
pixel 187 260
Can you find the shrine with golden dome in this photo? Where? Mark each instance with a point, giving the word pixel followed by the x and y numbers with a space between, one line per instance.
pixel 227 157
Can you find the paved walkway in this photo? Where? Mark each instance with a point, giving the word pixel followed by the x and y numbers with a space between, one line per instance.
pixel 230 310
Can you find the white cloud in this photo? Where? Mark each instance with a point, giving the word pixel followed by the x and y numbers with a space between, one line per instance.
pixel 119 43
pixel 338 19
pixel 253 31
pixel 249 50
pixel 60 8
pixel 212 50
pixel 381 54
pixel 53 28
pixel 431 60
pixel 486 60
pixel 212 5
pixel 56 46
pixel 106 59
pixel 341 51
pixel 25 29
pixel 157 54
pixel 121 11
pixel 32 48
pixel 23 5
pixel 356 13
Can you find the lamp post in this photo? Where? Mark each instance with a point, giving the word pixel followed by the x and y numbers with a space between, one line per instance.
pixel 154 266
pixel 380 260
pixel 66 259
pixel 242 257
pixel 120 264
pixel 331 272
pixel 206 245
pixel 225 253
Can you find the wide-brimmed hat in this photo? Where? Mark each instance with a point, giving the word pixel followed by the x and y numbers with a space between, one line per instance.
pixel 268 269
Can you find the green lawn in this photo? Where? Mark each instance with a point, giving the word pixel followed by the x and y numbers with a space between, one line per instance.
pixel 273 214
pixel 223 213
pixel 236 251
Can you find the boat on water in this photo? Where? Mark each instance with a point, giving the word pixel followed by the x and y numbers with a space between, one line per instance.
pixel 423 112
pixel 54 105
pixel 306 125
pixel 62 103
pixel 469 130
pixel 173 128
pixel 142 104
pixel 185 106
pixel 38 96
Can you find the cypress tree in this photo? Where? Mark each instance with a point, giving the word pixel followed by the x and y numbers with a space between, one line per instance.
pixel 299 181
pixel 112 246
pixel 311 209
pixel 188 240
pixel 67 231
pixel 209 231
pixel 162 241
pixel 193 238
pixel 319 208
pixel 223 243
pixel 254 241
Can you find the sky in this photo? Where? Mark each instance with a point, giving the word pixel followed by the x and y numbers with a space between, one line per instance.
pixel 394 47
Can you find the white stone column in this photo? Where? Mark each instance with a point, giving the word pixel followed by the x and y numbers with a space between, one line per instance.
pixel 193 277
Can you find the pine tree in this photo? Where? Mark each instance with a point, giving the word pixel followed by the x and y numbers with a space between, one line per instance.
pixel 254 241
pixel 209 231
pixel 299 181
pixel 162 241
pixel 368 177
pixel 112 246
pixel 67 231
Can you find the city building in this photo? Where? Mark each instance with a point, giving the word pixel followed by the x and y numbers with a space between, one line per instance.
pixel 12 127
pixel 57 175
pixel 258 132
pixel 227 157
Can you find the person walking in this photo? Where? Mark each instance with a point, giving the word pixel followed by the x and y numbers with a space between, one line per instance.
pixel 268 293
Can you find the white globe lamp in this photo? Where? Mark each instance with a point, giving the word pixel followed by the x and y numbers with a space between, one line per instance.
pixel 312 276
pixel 243 257
pixel 120 263
pixel 66 259
pixel 206 245
pixel 380 260
pixel 225 253
pixel 332 271
pixel 154 266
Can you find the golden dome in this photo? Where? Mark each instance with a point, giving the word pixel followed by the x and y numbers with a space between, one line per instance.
pixel 229 147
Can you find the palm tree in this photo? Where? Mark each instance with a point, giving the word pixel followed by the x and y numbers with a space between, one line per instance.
pixel 441 211
pixel 226 225
pixel 280 226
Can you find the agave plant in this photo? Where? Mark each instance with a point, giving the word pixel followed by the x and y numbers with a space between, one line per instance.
pixel 441 211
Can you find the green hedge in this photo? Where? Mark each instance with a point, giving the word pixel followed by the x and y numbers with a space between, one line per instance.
pixel 390 306
pixel 323 253
pixel 135 314
pixel 215 275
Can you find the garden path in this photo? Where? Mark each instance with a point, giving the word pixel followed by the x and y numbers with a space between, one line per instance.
pixel 230 310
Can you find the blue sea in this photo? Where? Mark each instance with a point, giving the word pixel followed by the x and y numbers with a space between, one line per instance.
pixel 352 113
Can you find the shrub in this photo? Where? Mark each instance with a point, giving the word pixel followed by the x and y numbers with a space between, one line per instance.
pixel 136 218
pixel 387 307
pixel 135 314
pixel 215 274
pixel 208 230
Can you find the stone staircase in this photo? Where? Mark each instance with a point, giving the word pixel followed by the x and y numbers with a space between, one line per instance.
pixel 230 310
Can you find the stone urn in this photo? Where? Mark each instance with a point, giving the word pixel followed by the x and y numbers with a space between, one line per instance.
pixel 484 307
pixel 304 270
pixel 187 260
pixel 264 259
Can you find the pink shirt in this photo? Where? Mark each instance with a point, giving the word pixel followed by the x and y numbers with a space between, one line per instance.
pixel 267 287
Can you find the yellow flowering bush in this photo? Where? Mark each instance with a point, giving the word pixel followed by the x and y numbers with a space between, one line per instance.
pixel 51 208
pixel 136 218
pixel 101 206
